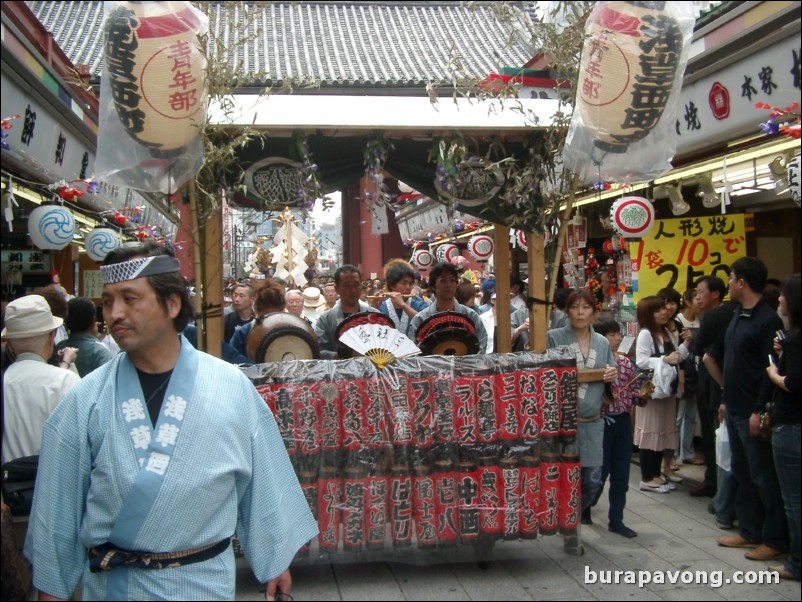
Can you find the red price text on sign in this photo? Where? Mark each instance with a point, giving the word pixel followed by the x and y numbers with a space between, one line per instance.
pixel 682 251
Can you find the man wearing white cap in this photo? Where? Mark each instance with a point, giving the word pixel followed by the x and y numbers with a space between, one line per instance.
pixel 32 388
pixel 154 460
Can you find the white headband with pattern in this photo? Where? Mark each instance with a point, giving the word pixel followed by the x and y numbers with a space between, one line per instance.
pixel 138 268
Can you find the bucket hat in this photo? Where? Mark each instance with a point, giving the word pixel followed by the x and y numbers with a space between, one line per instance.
pixel 312 297
pixel 29 316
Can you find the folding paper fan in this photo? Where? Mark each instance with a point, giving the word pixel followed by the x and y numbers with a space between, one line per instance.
pixel 379 343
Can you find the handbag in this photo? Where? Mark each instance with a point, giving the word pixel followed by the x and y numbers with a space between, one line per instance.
pixel 645 387
pixel 646 378
pixel 19 478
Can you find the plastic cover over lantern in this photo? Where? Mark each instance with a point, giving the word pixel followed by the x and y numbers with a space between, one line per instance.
pixel 154 70
pixel 628 93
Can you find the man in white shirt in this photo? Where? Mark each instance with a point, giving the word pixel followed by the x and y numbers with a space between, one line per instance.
pixel 31 387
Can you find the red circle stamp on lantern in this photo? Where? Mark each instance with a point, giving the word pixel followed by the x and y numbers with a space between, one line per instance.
pixel 632 216
pixel 481 247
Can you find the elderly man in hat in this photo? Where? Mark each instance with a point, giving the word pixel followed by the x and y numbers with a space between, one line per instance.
pixel 32 388
pixel 154 460
pixel 313 304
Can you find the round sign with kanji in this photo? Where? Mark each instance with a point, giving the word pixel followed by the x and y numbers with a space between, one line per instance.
pixel 632 216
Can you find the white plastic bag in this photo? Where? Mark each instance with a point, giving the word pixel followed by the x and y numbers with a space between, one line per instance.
pixel 723 451
pixel 663 380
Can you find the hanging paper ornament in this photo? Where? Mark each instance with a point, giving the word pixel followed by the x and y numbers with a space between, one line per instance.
pixel 520 238
pixel 119 218
pixel 422 258
pixel 51 227
pixel 100 242
pixel 481 247
pixel 157 72
pixel 632 216
pixel 446 252
pixel 632 52
pixel 793 168
pixel 618 243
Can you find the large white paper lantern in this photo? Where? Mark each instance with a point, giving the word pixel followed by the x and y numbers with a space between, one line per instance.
pixel 157 72
pixel 632 216
pixel 446 252
pixel 100 242
pixel 422 258
pixel 481 247
pixel 629 63
pixel 51 227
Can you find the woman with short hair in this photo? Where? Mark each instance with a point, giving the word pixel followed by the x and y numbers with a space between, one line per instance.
pixel 592 351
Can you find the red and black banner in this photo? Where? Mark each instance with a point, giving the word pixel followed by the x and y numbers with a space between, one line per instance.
pixel 431 453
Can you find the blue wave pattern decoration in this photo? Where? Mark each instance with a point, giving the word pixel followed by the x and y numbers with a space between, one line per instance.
pixel 54 229
pixel 100 243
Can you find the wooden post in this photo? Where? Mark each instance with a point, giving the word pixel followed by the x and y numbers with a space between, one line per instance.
pixel 538 314
pixel 502 261
pixel 197 256
pixel 555 268
pixel 207 230
pixel 213 281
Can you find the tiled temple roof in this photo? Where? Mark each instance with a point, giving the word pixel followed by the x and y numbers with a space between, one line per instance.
pixel 342 45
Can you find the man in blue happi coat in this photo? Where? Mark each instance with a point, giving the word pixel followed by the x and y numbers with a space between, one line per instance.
pixel 150 465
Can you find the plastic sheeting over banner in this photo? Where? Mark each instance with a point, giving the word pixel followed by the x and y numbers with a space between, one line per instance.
pixel 430 459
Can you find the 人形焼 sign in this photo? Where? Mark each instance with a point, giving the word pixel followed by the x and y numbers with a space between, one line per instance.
pixel 678 252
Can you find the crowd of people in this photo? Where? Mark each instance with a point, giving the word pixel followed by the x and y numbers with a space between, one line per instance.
pixel 72 399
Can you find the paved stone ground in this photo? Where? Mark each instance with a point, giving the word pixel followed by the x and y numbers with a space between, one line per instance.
pixel 675 533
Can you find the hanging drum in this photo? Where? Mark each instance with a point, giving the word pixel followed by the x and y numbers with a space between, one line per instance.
pixel 156 72
pixel 447 333
pixel 354 320
pixel 282 337
pixel 629 63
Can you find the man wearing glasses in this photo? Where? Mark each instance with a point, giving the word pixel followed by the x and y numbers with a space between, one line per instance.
pixel 443 282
